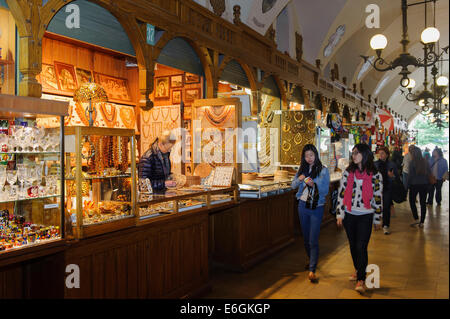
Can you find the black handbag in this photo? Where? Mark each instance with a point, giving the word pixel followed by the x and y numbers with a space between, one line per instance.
pixel 398 191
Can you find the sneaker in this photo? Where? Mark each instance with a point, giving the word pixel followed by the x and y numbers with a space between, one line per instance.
pixel 353 277
pixel 421 225
pixel 360 287
pixel 415 223
pixel 312 277
pixel 386 230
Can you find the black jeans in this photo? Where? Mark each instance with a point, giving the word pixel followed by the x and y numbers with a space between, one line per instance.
pixel 359 229
pixel 438 188
pixel 422 190
pixel 387 201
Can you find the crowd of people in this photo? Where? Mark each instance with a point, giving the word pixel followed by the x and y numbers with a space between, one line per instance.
pixel 367 192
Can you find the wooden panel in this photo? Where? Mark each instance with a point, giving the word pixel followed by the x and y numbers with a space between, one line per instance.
pixel 98 272
pixel 280 219
pixel 226 236
pixel 168 259
pixel 11 282
pixel 254 228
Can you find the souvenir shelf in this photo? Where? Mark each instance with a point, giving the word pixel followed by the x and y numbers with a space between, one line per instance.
pixel 182 200
pixel 31 178
pixel 261 189
pixel 100 179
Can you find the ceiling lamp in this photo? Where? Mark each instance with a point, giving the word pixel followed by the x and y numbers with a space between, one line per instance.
pixel 429 36
pixel 442 81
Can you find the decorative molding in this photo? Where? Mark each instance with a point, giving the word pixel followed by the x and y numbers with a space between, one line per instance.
pixel 218 6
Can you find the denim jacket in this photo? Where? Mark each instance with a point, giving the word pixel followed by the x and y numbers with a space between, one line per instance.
pixel 322 182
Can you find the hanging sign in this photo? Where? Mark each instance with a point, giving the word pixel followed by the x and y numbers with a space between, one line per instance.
pixel 150 34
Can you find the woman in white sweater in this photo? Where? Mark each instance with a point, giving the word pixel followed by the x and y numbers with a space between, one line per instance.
pixel 359 207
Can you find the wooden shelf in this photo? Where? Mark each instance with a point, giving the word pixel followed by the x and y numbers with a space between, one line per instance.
pixel 5 62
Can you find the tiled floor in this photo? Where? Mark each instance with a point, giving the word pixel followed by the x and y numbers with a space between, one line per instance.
pixel 413 263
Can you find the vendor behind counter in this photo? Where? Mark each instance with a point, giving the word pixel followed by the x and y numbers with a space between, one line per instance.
pixel 155 162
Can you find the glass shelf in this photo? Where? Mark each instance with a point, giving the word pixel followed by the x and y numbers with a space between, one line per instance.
pixel 34 153
pixel 99 177
pixel 27 199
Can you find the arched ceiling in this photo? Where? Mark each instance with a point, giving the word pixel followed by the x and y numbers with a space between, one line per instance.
pixel 322 21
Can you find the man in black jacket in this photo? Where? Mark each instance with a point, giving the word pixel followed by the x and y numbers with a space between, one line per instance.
pixel 155 162
pixel 388 170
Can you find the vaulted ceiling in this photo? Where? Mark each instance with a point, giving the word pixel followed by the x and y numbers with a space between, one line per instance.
pixel 335 32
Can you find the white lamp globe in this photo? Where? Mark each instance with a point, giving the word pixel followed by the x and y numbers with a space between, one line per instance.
pixel 422 102
pixel 430 35
pixel 445 100
pixel 378 42
pixel 442 81
pixel 411 84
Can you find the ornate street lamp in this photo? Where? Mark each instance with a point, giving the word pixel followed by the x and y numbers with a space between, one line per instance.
pixel 429 37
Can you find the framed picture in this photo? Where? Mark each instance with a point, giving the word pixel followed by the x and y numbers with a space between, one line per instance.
pixel 67 80
pixel 176 81
pixel 187 112
pixel 48 80
pixel 176 96
pixel 84 76
pixel 191 78
pixel 162 87
pixel 192 94
pixel 116 88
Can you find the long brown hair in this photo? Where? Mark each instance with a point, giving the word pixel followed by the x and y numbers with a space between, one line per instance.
pixel 420 164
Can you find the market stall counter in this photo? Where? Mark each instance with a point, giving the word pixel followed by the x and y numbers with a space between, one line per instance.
pixel 261 225
pixel 165 255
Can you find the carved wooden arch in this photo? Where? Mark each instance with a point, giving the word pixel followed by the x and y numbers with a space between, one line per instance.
pixel 32 20
pixel 247 70
pixel 283 92
pixel 202 53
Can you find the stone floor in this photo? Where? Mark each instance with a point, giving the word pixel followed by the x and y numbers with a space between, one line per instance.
pixel 413 263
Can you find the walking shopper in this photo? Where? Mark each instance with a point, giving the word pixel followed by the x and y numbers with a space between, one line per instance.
pixel 418 183
pixel 312 181
pixel 389 171
pixel 405 168
pixel 438 168
pixel 359 207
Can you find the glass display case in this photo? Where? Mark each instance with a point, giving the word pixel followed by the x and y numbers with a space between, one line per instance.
pixel 183 199
pixel 31 178
pixel 261 189
pixel 100 179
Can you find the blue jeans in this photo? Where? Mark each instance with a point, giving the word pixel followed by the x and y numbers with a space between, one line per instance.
pixel 310 221
pixel 405 180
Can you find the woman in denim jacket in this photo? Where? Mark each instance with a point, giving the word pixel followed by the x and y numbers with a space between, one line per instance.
pixel 312 181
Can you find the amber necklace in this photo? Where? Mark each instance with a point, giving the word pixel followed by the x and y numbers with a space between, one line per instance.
pixel 80 111
pixel 218 119
pixel 146 130
pixel 155 113
pixel 110 117
pixel 165 116
pixel 145 119
pixel 127 116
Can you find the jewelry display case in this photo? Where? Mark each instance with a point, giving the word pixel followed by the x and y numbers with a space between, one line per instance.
pixel 182 200
pixel 100 179
pixel 31 178
pixel 261 189
pixel 216 141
